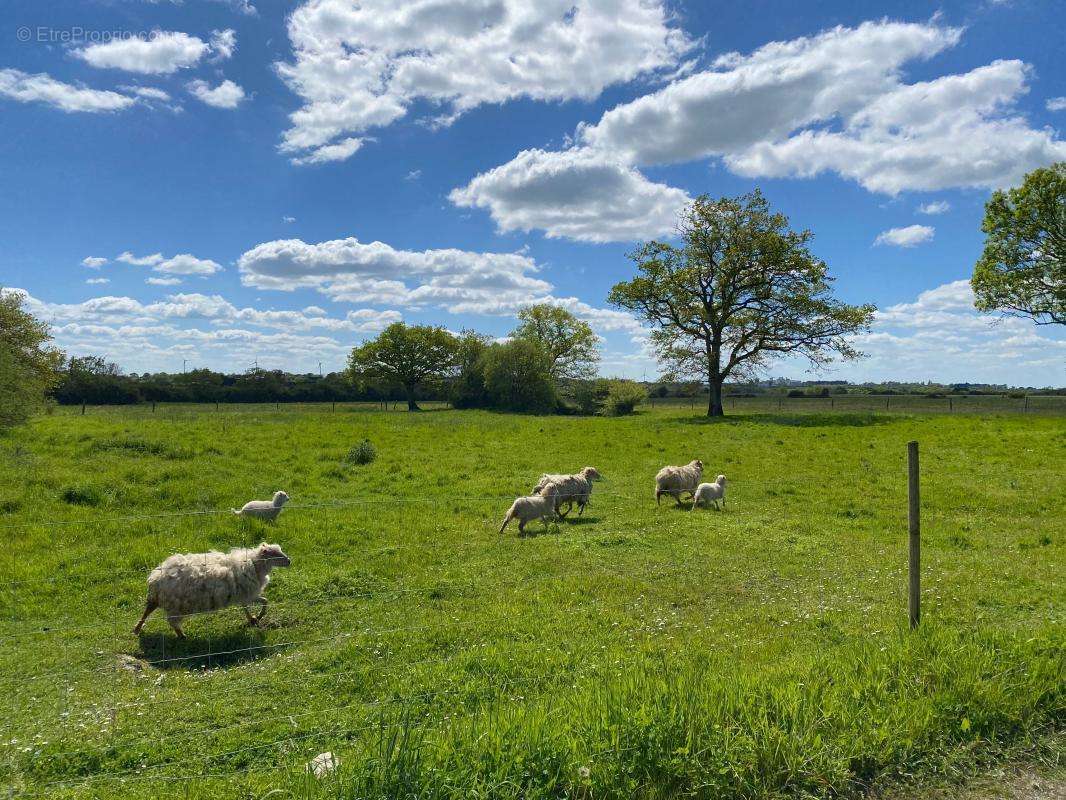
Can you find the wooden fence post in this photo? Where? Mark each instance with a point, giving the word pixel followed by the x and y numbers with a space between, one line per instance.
pixel 914 560
pixel 1026 403
pixel 153 406
pixel 951 404
pixel 83 409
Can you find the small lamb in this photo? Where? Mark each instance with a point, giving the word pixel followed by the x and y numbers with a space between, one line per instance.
pixel 538 506
pixel 267 510
pixel 572 489
pixel 194 583
pixel 676 481
pixel 710 493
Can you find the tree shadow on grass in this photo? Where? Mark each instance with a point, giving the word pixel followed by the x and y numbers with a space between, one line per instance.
pixel 166 652
pixel 830 420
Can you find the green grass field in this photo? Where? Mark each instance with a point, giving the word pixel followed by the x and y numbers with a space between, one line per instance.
pixel 638 651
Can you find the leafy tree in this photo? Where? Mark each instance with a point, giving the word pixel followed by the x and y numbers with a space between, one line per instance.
pixel 93 379
pixel 469 391
pixel 408 355
pixel 569 343
pixel 517 377
pixel 623 397
pixel 1022 270
pixel 741 289
pixel 29 365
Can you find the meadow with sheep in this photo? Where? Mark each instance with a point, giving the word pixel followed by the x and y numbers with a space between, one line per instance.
pixel 752 648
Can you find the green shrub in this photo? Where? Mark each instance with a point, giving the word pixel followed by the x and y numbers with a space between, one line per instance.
pixel 622 398
pixel 591 395
pixel 518 377
pixel 362 453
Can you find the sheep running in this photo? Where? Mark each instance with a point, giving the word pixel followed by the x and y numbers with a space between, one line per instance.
pixel 676 481
pixel 193 583
pixel 267 510
pixel 707 493
pixel 537 506
pixel 573 489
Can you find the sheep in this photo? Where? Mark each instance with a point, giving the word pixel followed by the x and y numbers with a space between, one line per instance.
pixel 710 493
pixel 537 506
pixel 263 509
pixel 193 583
pixel 676 481
pixel 572 489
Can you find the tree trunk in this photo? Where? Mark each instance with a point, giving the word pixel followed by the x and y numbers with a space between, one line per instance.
pixel 714 401
pixel 411 404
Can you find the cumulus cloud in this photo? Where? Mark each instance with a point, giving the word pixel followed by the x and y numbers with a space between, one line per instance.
pixel 910 236
pixel 181 264
pixel 147 93
pixel 339 151
pixel 226 95
pixel 358 66
pixel 938 207
pixel 1056 104
pixel 93 262
pixel 580 194
pixel 833 102
pixel 43 88
pixel 161 53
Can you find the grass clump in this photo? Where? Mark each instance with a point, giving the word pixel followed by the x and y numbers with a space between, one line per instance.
pixel 362 453
pixel 82 496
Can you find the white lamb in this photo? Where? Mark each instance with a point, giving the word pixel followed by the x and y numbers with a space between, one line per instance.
pixel 263 509
pixel 572 489
pixel 193 583
pixel 710 493
pixel 527 509
pixel 676 481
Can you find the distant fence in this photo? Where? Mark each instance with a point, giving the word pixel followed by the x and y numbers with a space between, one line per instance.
pixel 903 403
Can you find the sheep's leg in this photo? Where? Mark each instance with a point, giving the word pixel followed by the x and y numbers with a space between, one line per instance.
pixel 251 619
pixel 581 508
pixel 521 527
pixel 262 601
pixel 695 503
pixel 677 498
pixel 175 623
pixel 658 497
pixel 569 508
pixel 149 607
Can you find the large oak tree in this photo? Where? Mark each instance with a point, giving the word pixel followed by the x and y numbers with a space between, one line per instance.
pixel 740 289
pixel 410 355
pixel 1022 270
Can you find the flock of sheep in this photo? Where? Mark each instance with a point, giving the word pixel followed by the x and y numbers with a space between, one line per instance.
pixel 195 583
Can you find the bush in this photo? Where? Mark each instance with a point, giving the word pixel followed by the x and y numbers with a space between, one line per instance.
pixel 591 395
pixel 362 453
pixel 622 398
pixel 796 393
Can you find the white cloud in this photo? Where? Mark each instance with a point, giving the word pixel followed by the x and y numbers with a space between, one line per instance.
pixel 242 6
pixel 288 220
pixel 358 66
pixel 163 281
pixel 42 88
pixel 181 264
pixel 95 281
pixel 223 44
pixel 161 53
pixel 413 175
pixel 139 261
pixel 833 102
pixel 580 194
pixel 226 95
pixel 1056 104
pixel 147 93
pixel 937 207
pixel 941 337
pixel 905 237
pixel 339 151
pixel 93 262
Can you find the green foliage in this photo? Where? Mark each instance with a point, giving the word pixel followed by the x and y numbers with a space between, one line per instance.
pixel 29 366
pixel 93 380
pixel 409 355
pixel 570 344
pixel 590 395
pixel 610 397
pixel 1022 270
pixel 517 377
pixel 362 453
pixel 468 389
pixel 758 654
pixel 742 289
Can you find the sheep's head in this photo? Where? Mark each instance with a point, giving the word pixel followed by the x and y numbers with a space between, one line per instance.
pixel 550 490
pixel 720 480
pixel 280 498
pixel 591 474
pixel 272 555
pixel 697 464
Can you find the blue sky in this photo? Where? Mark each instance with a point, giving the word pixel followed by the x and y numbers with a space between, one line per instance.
pixel 222 181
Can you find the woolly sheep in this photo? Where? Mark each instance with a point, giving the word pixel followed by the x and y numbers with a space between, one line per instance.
pixel 676 481
pixel 710 493
pixel 193 583
pixel 263 509
pixel 527 509
pixel 575 488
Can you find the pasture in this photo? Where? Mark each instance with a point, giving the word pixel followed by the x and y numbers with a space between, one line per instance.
pixel 637 651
